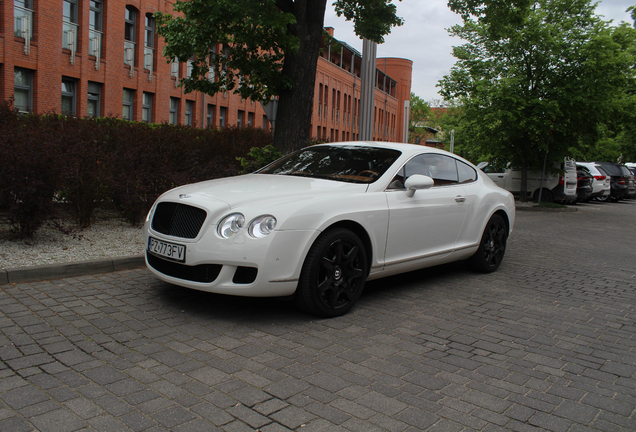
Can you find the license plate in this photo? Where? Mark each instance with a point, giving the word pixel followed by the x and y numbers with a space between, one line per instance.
pixel 175 252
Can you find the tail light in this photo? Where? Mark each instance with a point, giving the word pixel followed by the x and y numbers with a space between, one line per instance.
pixel 621 181
pixel 599 177
pixel 561 180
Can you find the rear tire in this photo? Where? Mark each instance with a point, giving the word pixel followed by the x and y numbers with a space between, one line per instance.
pixel 492 246
pixel 333 274
pixel 546 196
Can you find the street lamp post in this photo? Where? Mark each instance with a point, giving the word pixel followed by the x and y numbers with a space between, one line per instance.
pixel 271 107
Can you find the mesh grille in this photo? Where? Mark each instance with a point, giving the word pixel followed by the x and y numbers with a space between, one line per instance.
pixel 245 275
pixel 205 273
pixel 178 220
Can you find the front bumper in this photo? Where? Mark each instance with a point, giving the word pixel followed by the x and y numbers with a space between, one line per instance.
pixel 241 266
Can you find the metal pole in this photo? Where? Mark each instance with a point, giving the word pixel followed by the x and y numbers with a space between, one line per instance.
pixel 367 89
pixel 545 160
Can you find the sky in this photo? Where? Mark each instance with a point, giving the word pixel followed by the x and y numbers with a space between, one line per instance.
pixel 424 40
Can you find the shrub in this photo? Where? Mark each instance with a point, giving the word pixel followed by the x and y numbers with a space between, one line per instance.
pixel 30 169
pixel 83 173
pixel 88 161
pixel 259 157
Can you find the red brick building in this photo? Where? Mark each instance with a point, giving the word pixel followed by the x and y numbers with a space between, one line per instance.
pixel 103 57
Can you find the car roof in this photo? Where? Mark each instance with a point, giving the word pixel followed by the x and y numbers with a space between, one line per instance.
pixel 405 148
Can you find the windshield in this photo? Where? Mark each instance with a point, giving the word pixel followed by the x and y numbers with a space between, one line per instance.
pixel 342 163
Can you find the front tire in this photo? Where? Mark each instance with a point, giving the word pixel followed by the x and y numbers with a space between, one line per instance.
pixel 333 274
pixel 492 246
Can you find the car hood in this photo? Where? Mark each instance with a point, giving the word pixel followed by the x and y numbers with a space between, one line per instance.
pixel 233 192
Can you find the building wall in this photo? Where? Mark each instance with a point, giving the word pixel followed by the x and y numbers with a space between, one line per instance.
pixel 50 63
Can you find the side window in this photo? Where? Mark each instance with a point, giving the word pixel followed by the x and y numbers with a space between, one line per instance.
pixel 442 169
pixel 466 173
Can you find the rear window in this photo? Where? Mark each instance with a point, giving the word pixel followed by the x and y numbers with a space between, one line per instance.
pixel 612 169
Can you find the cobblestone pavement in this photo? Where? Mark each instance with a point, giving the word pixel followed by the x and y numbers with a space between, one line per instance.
pixel 545 343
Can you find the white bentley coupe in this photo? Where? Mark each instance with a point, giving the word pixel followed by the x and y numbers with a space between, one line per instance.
pixel 318 223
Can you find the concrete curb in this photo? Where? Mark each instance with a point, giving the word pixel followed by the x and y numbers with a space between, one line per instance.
pixel 65 270
pixel 546 209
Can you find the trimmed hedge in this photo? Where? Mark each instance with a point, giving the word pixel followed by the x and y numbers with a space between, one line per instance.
pixel 85 162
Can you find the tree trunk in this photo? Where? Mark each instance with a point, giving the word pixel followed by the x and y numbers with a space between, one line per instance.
pixel 293 119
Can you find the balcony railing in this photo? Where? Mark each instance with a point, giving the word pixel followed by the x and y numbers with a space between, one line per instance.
pixel 149 61
pixel 23 26
pixel 129 53
pixel 69 41
pixel 95 45
pixel 129 56
pixel 19 22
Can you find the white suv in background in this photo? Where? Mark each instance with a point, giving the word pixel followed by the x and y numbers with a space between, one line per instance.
pixel 601 186
pixel 556 188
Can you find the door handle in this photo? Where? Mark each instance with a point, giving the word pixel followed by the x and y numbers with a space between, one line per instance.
pixel 460 198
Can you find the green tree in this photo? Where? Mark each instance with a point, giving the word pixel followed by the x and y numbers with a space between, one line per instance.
pixel 419 113
pixel 269 48
pixel 537 85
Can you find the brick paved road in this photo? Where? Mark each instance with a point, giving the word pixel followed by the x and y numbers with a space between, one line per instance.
pixel 546 343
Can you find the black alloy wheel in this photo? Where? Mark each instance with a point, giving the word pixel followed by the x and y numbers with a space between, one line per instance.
pixel 492 246
pixel 333 274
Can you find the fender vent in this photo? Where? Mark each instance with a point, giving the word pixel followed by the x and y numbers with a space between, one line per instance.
pixel 245 275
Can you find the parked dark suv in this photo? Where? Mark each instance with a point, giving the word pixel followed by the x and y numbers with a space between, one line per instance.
pixel 619 183
pixel 631 184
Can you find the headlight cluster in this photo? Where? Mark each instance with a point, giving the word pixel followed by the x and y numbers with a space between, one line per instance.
pixel 257 228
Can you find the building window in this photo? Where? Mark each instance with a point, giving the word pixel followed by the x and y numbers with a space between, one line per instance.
pixel 69 25
pixel 146 108
pixel 264 122
pixel 239 118
pixel 326 100
pixel 23 89
pixel 95 29
pixel 149 43
pixel 189 109
pixel 68 96
pixel 174 110
pixel 189 67
pixel 23 18
pixel 222 116
pixel 94 99
pixel 211 70
pixel 127 112
pixel 210 116
pixel 130 31
pixel 250 119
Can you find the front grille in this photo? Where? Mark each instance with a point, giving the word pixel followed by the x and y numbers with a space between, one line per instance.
pixel 245 275
pixel 205 273
pixel 178 220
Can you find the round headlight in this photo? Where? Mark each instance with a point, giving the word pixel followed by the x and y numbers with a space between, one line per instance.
pixel 230 225
pixel 262 226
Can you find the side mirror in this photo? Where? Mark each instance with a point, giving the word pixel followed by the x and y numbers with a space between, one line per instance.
pixel 417 182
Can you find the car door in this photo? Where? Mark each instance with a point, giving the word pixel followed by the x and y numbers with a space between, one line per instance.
pixel 425 226
pixel 498 175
